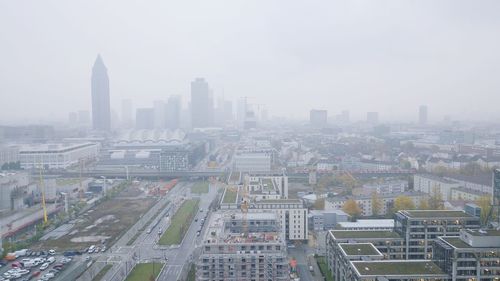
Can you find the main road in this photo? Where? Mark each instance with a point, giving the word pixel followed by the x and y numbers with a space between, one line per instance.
pixel 146 248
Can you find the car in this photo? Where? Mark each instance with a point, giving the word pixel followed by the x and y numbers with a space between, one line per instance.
pixel 7 275
pixel 59 266
pixel 36 274
pixel 51 260
pixel 44 266
pixel 50 275
pixel 103 249
pixel 53 270
pixel 97 250
pixel 52 252
pixel 23 271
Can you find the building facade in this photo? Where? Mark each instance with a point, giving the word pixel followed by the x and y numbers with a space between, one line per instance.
pixel 201 113
pixel 252 162
pixel 57 156
pixel 474 255
pixel 291 214
pixel 243 247
pixel 101 111
pixel 420 229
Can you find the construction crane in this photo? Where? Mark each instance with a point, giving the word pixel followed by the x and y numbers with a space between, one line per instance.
pixel 42 188
pixel 244 208
pixel 80 191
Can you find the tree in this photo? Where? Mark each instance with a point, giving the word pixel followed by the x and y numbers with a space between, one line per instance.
pixel 403 203
pixel 377 204
pixel 352 208
pixel 436 199
pixel 423 204
pixel 319 204
pixel 485 203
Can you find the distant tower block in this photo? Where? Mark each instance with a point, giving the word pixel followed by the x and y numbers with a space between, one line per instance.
pixel 312 177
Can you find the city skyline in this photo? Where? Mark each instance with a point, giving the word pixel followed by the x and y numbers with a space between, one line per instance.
pixel 428 58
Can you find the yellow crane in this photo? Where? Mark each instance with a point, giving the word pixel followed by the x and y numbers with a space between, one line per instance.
pixel 244 208
pixel 42 188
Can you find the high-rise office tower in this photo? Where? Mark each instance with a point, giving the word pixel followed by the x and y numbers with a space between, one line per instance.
pixel 159 119
pixel 372 117
pixel 422 115
pixel 127 114
pixel 318 118
pixel 241 111
pixel 200 104
pixel 173 112
pixel 101 112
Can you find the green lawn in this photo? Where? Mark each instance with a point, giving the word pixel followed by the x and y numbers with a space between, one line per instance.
pixel 229 196
pixel 145 271
pixel 180 223
pixel 323 267
pixel 192 273
pixel 103 272
pixel 200 187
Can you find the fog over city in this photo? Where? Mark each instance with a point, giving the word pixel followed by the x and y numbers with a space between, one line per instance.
pixel 249 140
pixel 388 57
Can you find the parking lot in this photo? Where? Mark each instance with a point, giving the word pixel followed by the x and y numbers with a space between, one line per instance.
pixel 35 265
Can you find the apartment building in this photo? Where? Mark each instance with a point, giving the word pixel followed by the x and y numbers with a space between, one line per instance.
pixel 291 213
pixel 474 255
pixel 267 186
pixel 421 228
pixel 427 183
pixel 240 246
pixel 365 202
pixel 388 243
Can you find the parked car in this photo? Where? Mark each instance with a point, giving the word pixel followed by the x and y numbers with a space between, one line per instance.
pixel 52 252
pixel 44 266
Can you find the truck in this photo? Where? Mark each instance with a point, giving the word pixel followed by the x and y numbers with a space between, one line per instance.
pixel 21 253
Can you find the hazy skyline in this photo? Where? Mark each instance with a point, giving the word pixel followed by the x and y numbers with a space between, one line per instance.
pixel 293 56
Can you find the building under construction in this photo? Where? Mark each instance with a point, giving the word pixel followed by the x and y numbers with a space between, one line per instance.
pixel 243 246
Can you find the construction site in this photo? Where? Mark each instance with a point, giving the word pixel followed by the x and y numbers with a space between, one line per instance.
pixel 101 224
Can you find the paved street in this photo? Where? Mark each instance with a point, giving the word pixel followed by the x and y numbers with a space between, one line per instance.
pixel 303 255
pixel 145 247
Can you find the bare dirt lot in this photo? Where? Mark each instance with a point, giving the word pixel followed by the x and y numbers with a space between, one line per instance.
pixel 105 222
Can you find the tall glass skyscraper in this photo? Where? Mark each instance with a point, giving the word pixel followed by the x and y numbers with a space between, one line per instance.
pixel 101 113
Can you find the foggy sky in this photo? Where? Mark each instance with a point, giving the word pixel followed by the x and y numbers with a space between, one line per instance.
pixel 386 56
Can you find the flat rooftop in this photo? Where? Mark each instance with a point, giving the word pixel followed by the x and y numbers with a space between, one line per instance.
pixel 397 268
pixel 422 214
pixel 359 249
pixel 456 242
pixel 374 234
pixel 279 201
pixel 490 232
pixel 379 223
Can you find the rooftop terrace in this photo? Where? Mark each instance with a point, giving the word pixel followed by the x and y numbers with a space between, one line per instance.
pixel 397 268
pixel 360 249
